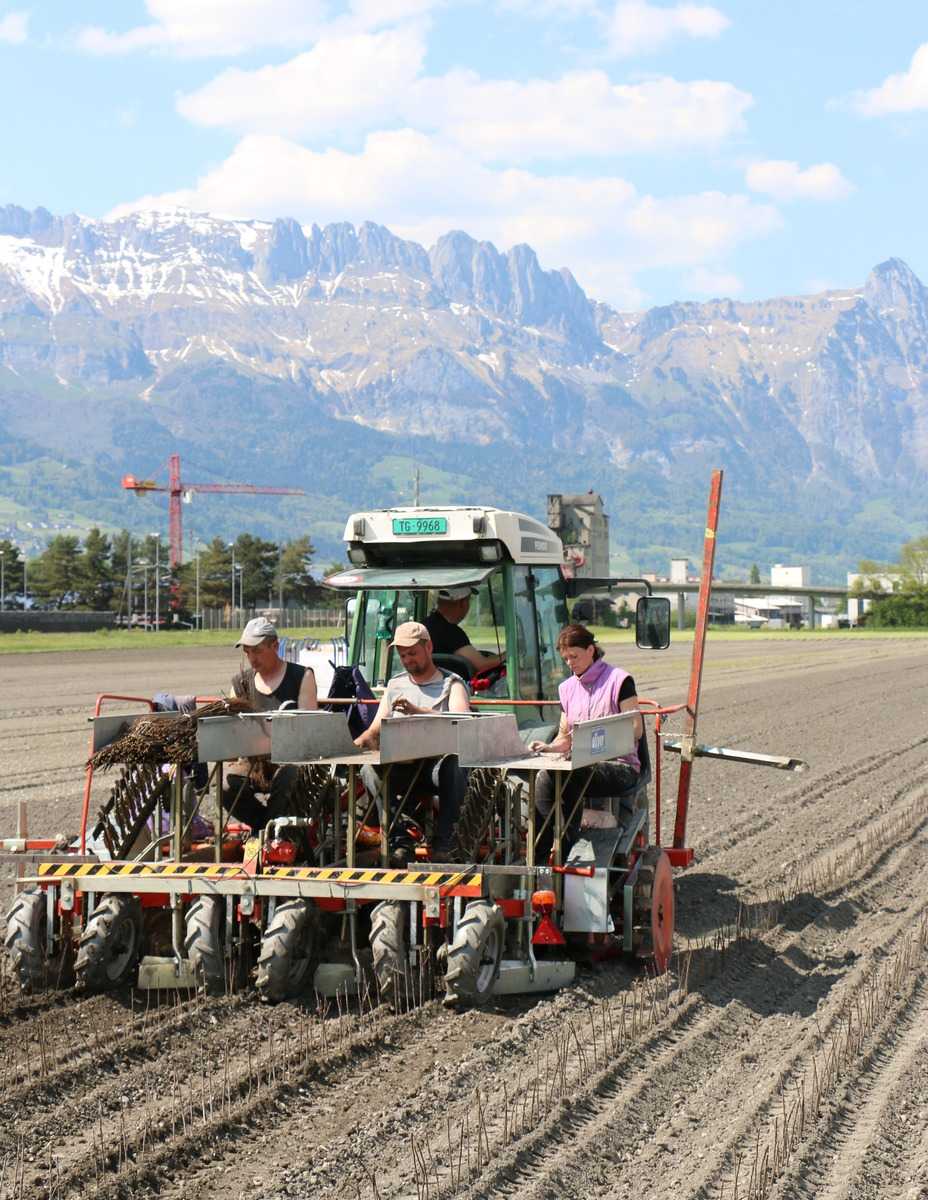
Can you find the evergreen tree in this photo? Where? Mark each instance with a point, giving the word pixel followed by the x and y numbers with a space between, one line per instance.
pixel 754 577
pixel 257 560
pixel 56 576
pixel 215 575
pixel 95 572
pixel 294 580
pixel 12 573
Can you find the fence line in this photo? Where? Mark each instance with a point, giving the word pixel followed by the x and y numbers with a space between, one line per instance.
pixel 283 618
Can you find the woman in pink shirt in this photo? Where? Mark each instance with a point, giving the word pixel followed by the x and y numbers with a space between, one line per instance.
pixel 593 689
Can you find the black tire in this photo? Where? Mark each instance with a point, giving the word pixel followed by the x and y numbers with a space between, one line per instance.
pixel 475 955
pixel 27 945
pixel 289 951
pixel 204 943
pixel 488 793
pixel 111 944
pixel 389 921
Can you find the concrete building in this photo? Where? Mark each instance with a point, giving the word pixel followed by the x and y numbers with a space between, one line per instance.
pixel 583 527
pixel 781 576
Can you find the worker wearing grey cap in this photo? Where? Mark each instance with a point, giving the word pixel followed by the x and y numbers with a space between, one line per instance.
pixel 444 626
pixel 267 683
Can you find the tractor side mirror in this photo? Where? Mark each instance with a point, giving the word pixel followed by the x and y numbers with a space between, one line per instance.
pixel 652 623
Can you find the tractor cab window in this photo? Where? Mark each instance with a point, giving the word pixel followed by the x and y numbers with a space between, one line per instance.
pixel 382 612
pixel 485 620
pixel 540 611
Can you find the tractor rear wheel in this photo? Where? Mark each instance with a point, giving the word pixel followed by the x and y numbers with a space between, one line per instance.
pixel 389 921
pixel 27 944
pixel 289 951
pixel 475 955
pixel 111 943
pixel 654 909
pixel 204 943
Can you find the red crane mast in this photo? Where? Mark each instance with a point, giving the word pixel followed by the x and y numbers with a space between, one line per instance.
pixel 176 489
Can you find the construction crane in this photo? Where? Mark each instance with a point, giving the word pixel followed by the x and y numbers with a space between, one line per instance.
pixel 176 491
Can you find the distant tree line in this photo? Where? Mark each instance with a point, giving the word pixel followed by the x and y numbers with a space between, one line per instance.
pixel 907 604
pixel 101 572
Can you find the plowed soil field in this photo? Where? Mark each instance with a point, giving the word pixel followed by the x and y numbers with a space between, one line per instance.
pixel 784 1055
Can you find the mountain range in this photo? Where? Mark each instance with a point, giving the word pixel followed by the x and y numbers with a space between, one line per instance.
pixel 341 359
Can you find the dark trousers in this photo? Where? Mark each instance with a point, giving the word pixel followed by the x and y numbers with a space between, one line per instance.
pixel 443 775
pixel 240 799
pixel 605 780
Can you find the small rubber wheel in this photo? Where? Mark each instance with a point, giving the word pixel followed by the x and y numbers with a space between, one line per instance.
pixel 389 921
pixel 289 951
pixel 204 943
pixel 111 944
pixel 475 955
pixel 27 945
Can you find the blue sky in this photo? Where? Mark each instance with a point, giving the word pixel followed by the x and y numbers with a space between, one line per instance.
pixel 659 150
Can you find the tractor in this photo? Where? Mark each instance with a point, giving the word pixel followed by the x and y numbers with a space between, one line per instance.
pixel 345 892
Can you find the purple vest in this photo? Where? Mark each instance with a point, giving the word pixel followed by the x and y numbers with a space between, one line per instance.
pixel 594 694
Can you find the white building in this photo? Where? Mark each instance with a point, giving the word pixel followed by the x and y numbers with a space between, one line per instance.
pixel 781 576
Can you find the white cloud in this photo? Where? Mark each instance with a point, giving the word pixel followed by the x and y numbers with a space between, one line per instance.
pixel 362 81
pixel 14 28
pixel 345 80
pixel 213 27
pixel 787 181
pixel 637 27
pixel 906 91
pixel 581 113
pixel 704 281
pixel 419 186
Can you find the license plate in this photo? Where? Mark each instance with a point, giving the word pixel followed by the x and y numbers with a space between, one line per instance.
pixel 417 526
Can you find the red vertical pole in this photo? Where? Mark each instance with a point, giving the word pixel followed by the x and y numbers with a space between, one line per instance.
pixel 680 854
pixel 175 534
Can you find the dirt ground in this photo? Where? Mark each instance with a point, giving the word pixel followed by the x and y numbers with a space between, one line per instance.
pixel 784 1055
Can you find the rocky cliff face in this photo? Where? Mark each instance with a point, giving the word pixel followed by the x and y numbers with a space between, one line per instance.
pixel 161 331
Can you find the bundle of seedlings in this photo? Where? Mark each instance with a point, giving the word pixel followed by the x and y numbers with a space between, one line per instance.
pixel 159 739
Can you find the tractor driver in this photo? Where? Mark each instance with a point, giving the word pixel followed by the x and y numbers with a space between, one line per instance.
pixel 444 626
pixel 267 683
pixel 422 688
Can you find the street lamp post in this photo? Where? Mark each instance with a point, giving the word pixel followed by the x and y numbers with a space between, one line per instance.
pixel 25 587
pixel 157 581
pixel 232 612
pixel 2 581
pixel 241 587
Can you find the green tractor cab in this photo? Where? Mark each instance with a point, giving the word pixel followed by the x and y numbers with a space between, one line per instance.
pixel 515 567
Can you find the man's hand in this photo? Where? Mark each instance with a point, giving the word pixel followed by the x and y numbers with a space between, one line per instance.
pixel 407 708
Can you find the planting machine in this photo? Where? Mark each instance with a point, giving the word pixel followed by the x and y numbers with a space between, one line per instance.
pixel 343 892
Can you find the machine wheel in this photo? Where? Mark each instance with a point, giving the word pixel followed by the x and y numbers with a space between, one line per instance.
pixel 111 943
pixel 389 921
pixel 204 943
pixel 654 905
pixel 287 960
pixel 475 955
pixel 26 943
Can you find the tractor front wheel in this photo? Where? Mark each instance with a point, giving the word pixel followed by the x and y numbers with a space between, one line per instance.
pixel 475 955
pixel 110 945
pixel 27 944
pixel 289 950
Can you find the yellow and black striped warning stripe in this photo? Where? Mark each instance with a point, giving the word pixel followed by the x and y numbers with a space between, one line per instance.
pixel 175 870
pixel 439 879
